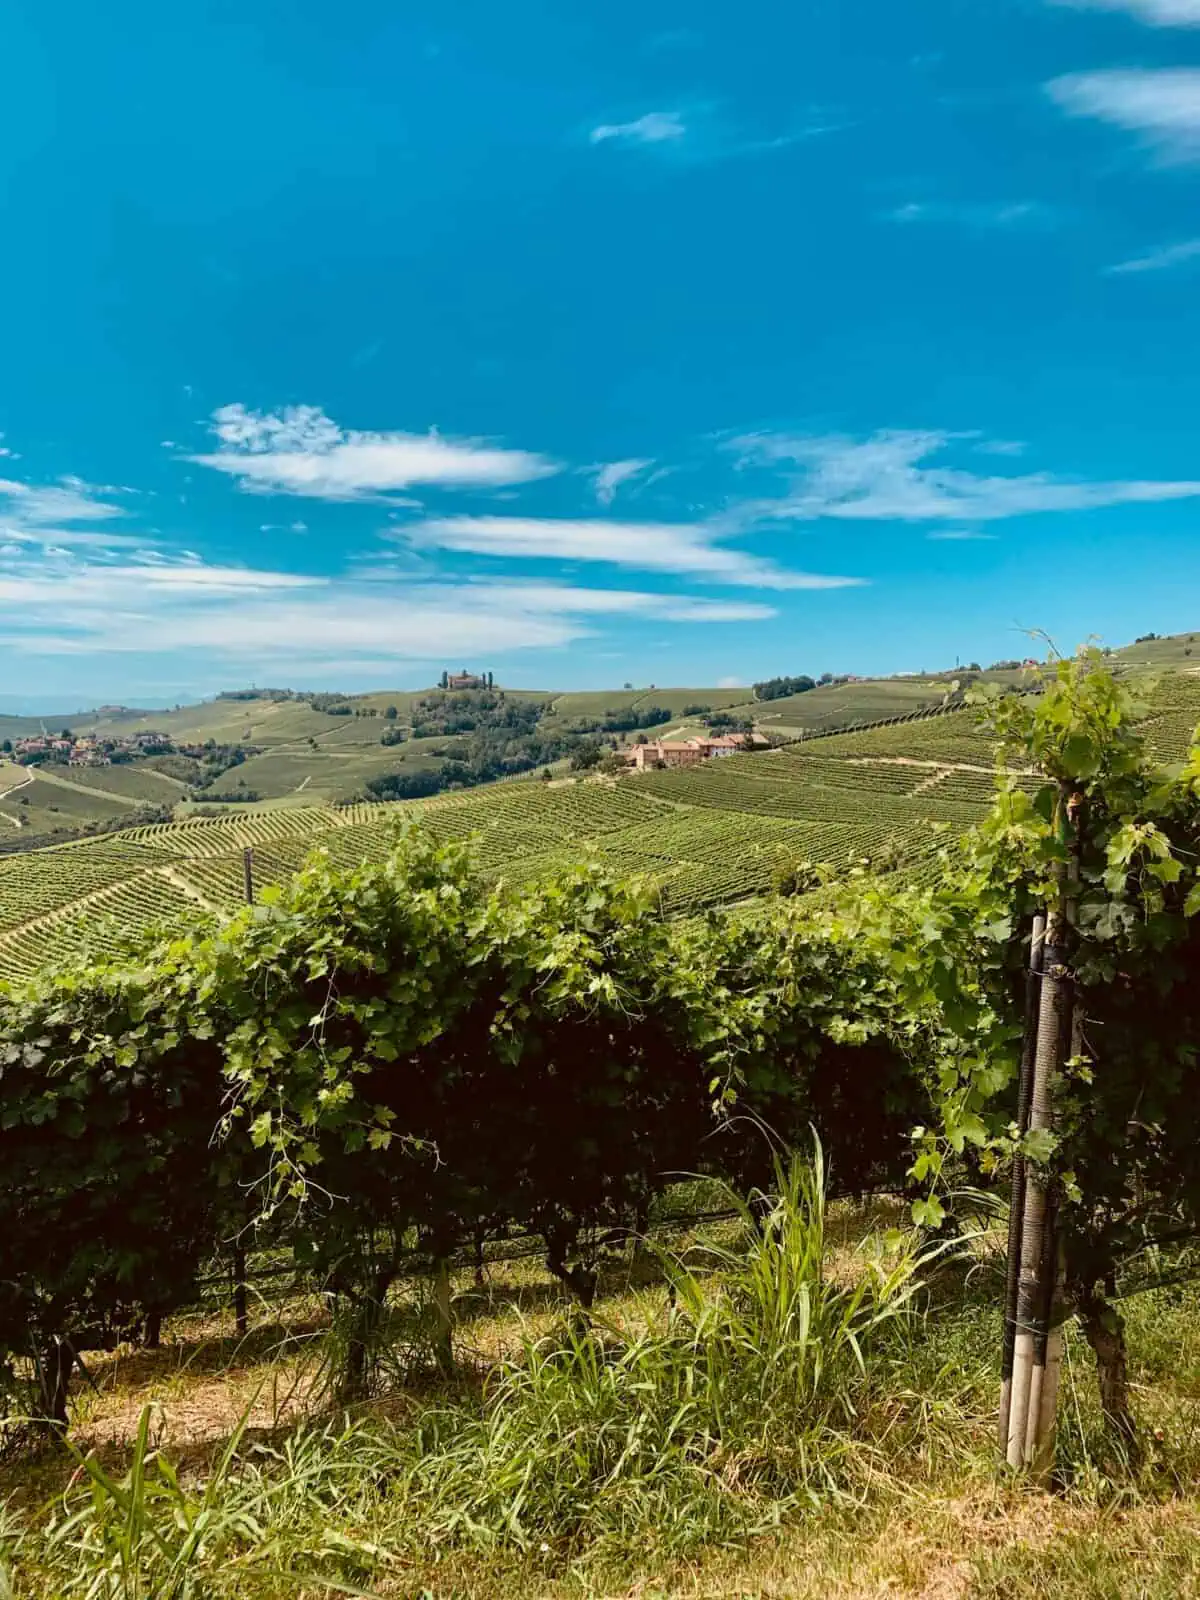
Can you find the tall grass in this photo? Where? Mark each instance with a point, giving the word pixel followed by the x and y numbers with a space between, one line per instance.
pixel 752 1397
pixel 773 1379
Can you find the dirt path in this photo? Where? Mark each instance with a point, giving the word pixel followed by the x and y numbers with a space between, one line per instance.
pixel 185 886
pixel 914 761
pixel 21 783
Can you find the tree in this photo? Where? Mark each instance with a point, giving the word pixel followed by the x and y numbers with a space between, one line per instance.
pixel 391 713
pixel 489 679
pixel 445 679
pixel 587 755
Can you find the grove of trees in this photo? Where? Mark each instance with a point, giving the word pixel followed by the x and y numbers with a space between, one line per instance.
pixel 777 688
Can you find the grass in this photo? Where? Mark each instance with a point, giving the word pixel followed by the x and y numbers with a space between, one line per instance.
pixel 813 1417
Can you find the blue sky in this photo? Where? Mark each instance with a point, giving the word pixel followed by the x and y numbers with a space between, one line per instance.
pixel 591 343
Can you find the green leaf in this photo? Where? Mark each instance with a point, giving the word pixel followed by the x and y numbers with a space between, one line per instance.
pixel 1038 1145
pixel 928 1213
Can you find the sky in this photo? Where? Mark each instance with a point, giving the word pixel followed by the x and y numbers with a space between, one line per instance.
pixel 591 343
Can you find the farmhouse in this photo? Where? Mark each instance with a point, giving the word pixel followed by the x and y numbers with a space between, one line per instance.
pixel 691 752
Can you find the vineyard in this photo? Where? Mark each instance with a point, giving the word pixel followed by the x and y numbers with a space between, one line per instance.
pixel 707 836
pixel 414 1128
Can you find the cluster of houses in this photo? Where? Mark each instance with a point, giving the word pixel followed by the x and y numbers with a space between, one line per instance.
pixel 691 752
pixel 85 750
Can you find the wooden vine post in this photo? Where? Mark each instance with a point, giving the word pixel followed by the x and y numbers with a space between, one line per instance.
pixel 1016 1208
pixel 241 1309
pixel 1032 1354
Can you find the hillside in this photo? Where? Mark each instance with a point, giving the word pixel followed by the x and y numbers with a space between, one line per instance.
pixel 331 749
pixel 708 836
pixel 293 752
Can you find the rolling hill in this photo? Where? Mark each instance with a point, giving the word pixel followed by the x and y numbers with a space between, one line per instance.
pixel 847 780
pixel 707 836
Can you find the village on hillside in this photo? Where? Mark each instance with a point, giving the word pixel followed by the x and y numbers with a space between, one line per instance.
pixel 85 750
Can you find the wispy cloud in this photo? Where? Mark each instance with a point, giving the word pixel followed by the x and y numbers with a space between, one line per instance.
pixel 959 535
pixel 301 451
pixel 1158 13
pixel 68 500
pixel 66 514
pixel 1161 106
pixel 702 134
pixel 997 214
pixel 187 609
pixel 656 127
pixel 683 549
pixel 891 476
pixel 610 475
pixel 1171 255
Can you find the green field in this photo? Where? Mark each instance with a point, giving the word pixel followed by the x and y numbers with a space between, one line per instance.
pixel 841 704
pixel 42 803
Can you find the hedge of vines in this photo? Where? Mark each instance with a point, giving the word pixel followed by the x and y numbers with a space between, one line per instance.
pixel 399 1054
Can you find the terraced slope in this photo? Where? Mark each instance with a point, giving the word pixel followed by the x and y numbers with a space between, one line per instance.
pixel 708 835
pixel 707 838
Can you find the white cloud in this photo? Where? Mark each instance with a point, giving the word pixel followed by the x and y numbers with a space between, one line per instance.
pixel 731 683
pixel 78 538
pixel 68 500
pixel 656 127
pixel 685 549
pixel 1161 106
pixel 994 214
pixel 1158 13
pixel 1171 255
pixel 889 477
pixel 608 477
pixel 302 451
pixel 133 585
pixel 959 535
pixel 184 608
